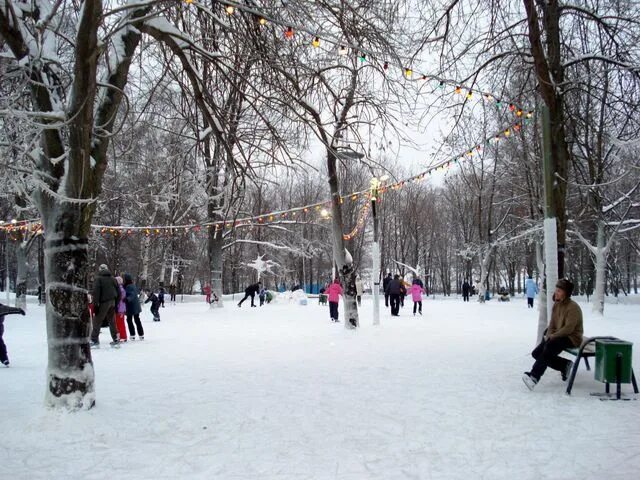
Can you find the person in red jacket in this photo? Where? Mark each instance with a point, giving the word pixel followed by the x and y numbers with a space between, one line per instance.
pixel 207 292
pixel 334 291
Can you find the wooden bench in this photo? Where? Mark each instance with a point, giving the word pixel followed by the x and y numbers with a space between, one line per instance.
pixel 588 349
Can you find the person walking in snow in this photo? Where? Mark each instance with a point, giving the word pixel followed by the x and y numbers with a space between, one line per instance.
pixel 565 331
pixel 251 291
pixel 161 296
pixel 333 292
pixel 359 290
pixel 262 295
pixel 121 310
pixel 385 283
pixel 531 289
pixel 207 293
pixel 132 299
pixel 403 291
pixel 155 304
pixel 394 290
pixel 466 290
pixel 172 293
pixel 6 310
pixel 416 295
pixel 105 296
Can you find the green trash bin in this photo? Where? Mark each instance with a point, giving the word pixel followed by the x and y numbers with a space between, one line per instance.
pixel 606 354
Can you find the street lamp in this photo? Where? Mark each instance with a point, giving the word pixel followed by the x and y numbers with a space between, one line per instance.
pixel 375 190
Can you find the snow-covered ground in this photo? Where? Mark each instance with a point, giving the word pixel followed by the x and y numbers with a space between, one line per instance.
pixel 280 392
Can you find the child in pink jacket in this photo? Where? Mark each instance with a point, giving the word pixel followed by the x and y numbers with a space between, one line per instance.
pixel 333 292
pixel 416 295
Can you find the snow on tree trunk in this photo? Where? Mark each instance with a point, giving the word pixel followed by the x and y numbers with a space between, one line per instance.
pixel 163 268
pixel 146 248
pixel 484 273
pixel 21 279
pixel 216 242
pixel 601 251
pixel 550 260
pixel 70 374
pixel 375 282
pixel 542 299
pixel 342 258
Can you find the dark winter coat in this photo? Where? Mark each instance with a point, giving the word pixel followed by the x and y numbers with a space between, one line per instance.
pixel 155 302
pixel 105 288
pixel 251 290
pixel 385 283
pixel 6 310
pixel 394 287
pixel 131 298
pixel 466 288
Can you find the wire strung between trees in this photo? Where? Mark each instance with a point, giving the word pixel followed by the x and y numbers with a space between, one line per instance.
pixel 292 215
pixel 363 54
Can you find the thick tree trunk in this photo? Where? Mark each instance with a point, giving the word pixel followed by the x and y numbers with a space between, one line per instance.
pixel 346 269
pixel 70 369
pixel 485 262
pixel 542 299
pixel 216 242
pixel 22 272
pixel 550 74
pixel 146 248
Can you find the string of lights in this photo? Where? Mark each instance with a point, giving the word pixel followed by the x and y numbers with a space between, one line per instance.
pixel 344 48
pixel 291 215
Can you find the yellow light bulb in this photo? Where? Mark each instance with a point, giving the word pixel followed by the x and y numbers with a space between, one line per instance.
pixel 229 9
pixel 408 72
pixel 316 42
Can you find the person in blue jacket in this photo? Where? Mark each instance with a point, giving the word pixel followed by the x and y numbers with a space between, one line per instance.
pixel 531 289
pixel 132 300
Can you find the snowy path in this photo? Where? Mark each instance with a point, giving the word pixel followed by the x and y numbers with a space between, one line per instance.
pixel 282 393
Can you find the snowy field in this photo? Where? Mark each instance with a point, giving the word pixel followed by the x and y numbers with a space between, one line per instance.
pixel 282 393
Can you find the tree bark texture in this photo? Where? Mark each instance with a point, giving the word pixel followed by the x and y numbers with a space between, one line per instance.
pixel 550 74
pixel 346 270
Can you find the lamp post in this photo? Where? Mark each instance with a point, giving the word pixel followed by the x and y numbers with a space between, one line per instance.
pixel 376 185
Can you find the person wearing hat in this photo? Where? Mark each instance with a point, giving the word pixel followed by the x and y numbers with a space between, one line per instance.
pixel 105 295
pixel 565 331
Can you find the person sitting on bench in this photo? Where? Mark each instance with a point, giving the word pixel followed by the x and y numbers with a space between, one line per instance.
pixel 564 331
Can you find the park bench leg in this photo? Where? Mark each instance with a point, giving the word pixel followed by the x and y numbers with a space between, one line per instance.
pixel 572 377
pixel 633 381
pixel 586 362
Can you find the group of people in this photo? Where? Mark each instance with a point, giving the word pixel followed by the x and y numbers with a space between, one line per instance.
pixel 251 291
pixel 114 298
pixel 396 289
